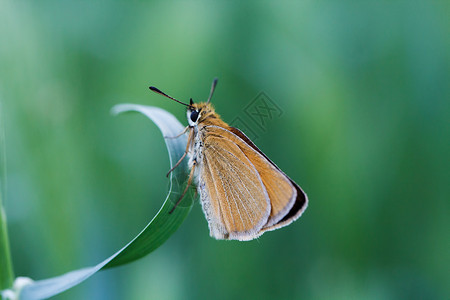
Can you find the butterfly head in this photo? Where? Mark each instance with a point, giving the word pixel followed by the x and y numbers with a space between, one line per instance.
pixel 199 112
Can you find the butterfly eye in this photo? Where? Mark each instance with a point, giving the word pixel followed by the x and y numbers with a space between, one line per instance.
pixel 194 115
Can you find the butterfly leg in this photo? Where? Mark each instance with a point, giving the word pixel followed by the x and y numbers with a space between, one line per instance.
pixel 196 193
pixel 191 175
pixel 185 152
pixel 178 135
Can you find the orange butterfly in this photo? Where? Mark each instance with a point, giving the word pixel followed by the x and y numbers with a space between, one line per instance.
pixel 243 193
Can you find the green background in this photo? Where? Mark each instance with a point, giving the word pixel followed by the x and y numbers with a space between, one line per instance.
pixel 364 90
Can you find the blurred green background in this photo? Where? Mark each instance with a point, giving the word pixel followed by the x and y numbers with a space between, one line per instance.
pixel 364 89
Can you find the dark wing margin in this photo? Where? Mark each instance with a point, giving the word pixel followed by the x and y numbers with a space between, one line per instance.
pixel 300 203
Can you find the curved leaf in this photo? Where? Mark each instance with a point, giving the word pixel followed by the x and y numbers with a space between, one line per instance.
pixel 160 228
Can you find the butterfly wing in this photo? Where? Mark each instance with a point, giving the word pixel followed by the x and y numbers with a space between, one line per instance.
pixel 288 201
pixel 233 196
pixel 300 202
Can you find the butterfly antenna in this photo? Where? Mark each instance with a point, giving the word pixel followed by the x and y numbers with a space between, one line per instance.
pixel 165 95
pixel 213 87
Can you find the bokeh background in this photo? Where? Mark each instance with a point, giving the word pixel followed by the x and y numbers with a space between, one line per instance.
pixel 364 90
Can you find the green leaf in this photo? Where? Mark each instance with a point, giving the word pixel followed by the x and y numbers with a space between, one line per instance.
pixel 156 232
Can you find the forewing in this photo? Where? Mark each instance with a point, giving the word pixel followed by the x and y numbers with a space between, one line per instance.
pixel 238 205
pixel 287 199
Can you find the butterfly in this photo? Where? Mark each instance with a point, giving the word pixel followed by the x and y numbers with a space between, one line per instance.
pixel 242 192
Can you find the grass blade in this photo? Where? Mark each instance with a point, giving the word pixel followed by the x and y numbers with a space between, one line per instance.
pixel 160 228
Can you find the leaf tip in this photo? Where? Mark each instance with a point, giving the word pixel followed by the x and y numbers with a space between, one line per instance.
pixel 117 109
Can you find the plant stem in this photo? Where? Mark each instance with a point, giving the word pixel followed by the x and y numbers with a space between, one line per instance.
pixel 6 271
